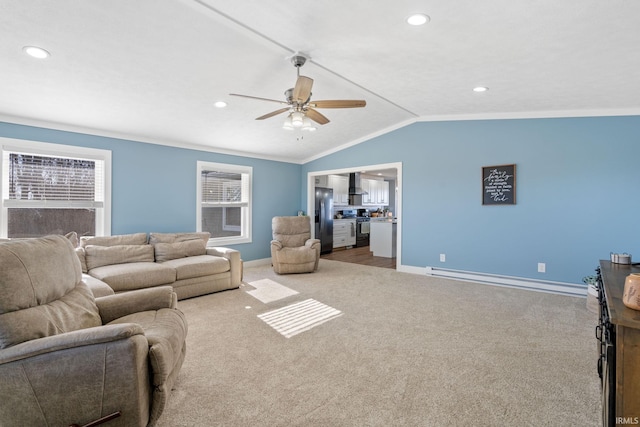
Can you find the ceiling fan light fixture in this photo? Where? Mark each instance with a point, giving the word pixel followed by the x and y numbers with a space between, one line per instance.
pixel 307 125
pixel 288 125
pixel 297 119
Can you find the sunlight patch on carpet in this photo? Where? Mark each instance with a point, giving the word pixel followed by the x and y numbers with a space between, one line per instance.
pixel 299 317
pixel 266 290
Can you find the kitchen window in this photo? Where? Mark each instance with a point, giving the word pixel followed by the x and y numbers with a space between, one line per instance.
pixel 224 202
pixel 53 189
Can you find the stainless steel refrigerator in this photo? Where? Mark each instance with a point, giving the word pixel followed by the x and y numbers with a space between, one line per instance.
pixel 324 218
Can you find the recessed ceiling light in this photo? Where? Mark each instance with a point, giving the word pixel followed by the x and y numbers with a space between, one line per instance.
pixel 36 52
pixel 480 89
pixel 220 104
pixel 418 19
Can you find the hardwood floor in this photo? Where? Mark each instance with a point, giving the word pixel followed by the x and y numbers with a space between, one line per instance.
pixel 360 255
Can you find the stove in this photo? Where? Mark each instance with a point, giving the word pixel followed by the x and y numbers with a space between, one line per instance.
pixel 362 231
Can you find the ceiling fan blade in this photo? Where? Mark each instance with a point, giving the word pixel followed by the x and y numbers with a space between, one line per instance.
pixel 338 103
pixel 273 113
pixel 302 90
pixel 317 117
pixel 260 99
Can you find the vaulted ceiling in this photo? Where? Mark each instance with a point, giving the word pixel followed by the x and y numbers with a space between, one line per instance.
pixel 151 70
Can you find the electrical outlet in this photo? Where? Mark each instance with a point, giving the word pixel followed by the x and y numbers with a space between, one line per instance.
pixel 443 257
pixel 542 267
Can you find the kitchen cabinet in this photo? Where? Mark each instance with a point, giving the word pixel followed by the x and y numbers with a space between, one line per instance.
pixel 377 192
pixel 344 232
pixel 322 181
pixel 340 185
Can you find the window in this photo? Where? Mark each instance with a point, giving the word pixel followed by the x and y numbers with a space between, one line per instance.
pixel 53 189
pixel 224 202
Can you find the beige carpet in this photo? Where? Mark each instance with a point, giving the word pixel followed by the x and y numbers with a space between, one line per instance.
pixel 407 350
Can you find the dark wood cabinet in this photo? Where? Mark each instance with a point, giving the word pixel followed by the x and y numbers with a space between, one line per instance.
pixel 618 333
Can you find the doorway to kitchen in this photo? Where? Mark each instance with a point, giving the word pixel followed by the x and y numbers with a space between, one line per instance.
pixel 389 176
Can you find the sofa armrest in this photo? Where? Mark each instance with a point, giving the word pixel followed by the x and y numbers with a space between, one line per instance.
pixel 275 244
pixel 79 338
pixel 235 263
pixel 113 307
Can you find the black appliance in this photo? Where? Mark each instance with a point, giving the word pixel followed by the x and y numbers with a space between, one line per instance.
pixel 324 219
pixel 362 227
pixel 362 231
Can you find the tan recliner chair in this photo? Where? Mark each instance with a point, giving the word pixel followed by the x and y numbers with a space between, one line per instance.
pixel 292 248
pixel 68 359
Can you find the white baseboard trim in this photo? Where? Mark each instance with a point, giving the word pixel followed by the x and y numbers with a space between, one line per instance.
pixel 257 262
pixel 560 288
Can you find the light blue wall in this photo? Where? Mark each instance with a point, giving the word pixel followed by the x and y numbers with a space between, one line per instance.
pixel 577 185
pixel 578 193
pixel 154 186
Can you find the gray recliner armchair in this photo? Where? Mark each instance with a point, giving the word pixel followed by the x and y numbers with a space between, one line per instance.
pixel 68 359
pixel 292 248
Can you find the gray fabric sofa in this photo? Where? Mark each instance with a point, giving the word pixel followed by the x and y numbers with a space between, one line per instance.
pixel 114 264
pixel 67 358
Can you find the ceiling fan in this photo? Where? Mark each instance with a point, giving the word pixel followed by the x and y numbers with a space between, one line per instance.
pixel 298 101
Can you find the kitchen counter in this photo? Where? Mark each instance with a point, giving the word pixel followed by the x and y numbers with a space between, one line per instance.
pixel 385 219
pixel 383 237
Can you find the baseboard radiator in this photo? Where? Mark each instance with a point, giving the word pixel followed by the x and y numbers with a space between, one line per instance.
pixel 511 282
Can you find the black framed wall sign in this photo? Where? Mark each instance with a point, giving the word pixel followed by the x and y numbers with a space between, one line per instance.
pixel 499 185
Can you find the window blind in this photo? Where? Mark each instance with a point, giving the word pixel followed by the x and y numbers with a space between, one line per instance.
pixel 225 188
pixel 53 181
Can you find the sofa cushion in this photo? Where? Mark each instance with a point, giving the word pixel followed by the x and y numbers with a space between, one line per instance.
pixel 155 238
pixel 122 239
pixel 168 251
pixel 197 266
pixel 83 260
pixel 97 287
pixel 134 275
pixel 98 256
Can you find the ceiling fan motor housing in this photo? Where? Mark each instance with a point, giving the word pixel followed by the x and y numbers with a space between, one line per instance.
pixel 298 60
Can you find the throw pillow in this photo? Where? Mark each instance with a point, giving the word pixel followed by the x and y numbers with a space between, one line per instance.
pixel 73 238
pixel 83 260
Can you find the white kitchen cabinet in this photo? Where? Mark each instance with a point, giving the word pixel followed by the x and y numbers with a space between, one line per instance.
pixel 378 192
pixel 340 185
pixel 365 184
pixel 383 193
pixel 322 181
pixel 344 232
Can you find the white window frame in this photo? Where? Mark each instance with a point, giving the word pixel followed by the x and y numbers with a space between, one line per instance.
pixel 10 145
pixel 246 222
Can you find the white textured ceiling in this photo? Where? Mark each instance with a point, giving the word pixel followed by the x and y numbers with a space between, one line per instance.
pixel 151 70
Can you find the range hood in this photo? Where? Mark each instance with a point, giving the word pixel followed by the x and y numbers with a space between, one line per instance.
pixel 354 185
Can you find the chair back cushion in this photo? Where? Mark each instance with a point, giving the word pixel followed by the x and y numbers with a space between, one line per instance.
pixel 291 231
pixel 41 291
